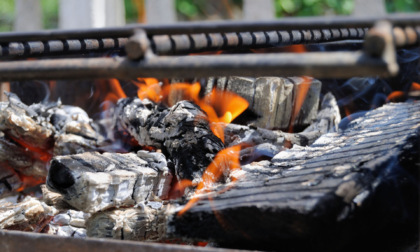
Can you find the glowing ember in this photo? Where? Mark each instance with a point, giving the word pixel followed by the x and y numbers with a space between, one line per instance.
pixel 227 160
pixel 37 153
pixel 28 181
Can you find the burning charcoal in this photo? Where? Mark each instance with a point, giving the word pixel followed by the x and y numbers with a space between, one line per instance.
pixel 67 144
pixel 92 182
pixel 69 224
pixel 19 121
pixel 53 199
pixel 328 117
pixel 309 109
pixel 142 223
pixel 238 134
pixel 9 181
pixel 348 189
pixel 28 215
pixel 182 132
pixel 326 121
pixel 16 163
pixel 273 98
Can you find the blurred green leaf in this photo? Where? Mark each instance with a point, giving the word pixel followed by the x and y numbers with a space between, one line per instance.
pixel 7 9
pixel 187 7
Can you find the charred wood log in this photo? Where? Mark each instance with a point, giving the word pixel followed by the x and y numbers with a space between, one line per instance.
pixel 182 132
pixel 347 189
pixel 92 182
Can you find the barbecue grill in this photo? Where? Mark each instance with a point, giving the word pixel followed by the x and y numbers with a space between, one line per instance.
pixel 303 197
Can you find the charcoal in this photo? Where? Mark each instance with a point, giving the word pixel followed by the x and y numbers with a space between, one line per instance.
pixel 9 181
pixel 54 199
pixel 352 189
pixel 327 120
pixel 145 222
pixel 182 132
pixel 272 98
pixel 70 223
pixel 22 122
pixel 67 144
pixel 92 182
pixel 28 215
pixel 41 125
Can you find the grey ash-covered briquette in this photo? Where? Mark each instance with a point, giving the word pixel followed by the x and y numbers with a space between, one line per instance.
pixel 182 132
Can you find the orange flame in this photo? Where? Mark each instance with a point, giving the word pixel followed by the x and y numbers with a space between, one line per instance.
pixel 222 107
pixel 415 87
pixel 395 96
pixel 116 92
pixel 296 48
pixel 226 160
pixel 302 91
pixel 148 88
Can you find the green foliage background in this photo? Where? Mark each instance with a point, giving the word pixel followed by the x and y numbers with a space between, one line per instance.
pixel 195 9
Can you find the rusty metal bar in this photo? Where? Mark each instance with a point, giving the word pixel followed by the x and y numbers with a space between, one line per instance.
pixel 301 23
pixel 316 64
pixel 17 241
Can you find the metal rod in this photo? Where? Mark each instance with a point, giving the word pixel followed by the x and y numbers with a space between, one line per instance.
pixel 14 241
pixel 193 43
pixel 316 64
pixel 179 44
pixel 165 44
pixel 62 47
pixel 301 23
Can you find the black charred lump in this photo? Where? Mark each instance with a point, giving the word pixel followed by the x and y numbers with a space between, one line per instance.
pixel 182 132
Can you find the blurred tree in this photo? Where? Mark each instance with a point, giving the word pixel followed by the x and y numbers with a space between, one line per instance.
pixel 313 7
pixel 7 8
pixel 214 9
pixel 203 9
pixel 50 13
pixel 402 5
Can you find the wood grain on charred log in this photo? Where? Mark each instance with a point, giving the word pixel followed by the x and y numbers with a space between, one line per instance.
pixel 348 188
